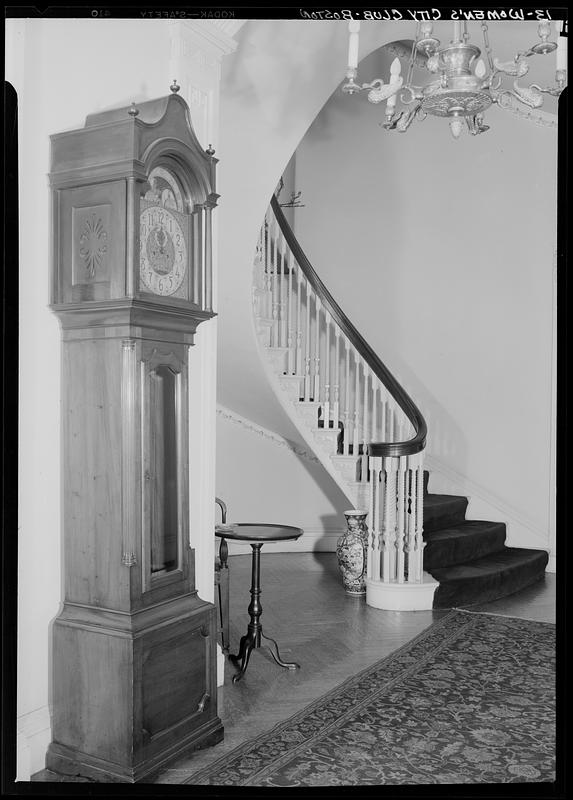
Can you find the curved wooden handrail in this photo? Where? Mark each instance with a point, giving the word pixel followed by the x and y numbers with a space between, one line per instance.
pixel 388 449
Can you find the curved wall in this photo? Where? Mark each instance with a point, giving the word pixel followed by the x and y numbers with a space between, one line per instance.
pixel 443 255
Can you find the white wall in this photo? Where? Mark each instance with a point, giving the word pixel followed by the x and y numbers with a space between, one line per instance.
pixel 64 70
pixel 273 87
pixel 443 258
pixel 266 478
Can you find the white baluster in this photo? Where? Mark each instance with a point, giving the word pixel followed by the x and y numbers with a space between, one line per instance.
pixel 374 427
pixel 326 406
pixel 316 387
pixel 373 564
pixel 282 290
pixel 346 414
pixel 383 414
pixel 268 265
pixel 390 420
pixel 307 346
pixel 410 520
pixel 389 526
pixel 356 432
pixel 291 353
pixel 418 540
pixel 275 288
pixel 364 460
pixel 299 361
pixel 259 250
pixel 401 519
pixel 336 407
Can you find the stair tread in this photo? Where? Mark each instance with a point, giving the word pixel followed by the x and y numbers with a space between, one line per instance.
pixel 507 559
pixel 466 527
pixel 442 499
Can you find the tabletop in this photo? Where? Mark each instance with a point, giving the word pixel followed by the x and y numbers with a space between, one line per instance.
pixel 257 532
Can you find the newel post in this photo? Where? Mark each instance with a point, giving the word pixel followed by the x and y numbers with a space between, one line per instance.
pixel 395 576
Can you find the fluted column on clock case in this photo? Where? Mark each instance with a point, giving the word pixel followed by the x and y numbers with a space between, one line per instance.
pixel 134 672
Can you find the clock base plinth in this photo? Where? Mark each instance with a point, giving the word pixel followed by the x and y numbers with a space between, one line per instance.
pixel 132 693
pixel 66 761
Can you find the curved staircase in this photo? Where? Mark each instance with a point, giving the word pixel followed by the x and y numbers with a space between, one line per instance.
pixel 469 558
pixel 369 435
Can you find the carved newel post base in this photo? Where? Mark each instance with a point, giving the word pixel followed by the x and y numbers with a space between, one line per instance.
pixel 351 550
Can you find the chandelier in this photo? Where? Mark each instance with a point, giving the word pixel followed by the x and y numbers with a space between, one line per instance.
pixel 463 87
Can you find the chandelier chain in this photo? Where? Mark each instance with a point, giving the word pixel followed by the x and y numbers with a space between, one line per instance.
pixel 487 46
pixel 413 56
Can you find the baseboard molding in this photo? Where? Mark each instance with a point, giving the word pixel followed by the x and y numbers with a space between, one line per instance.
pixel 314 540
pixel 220 666
pixel 34 734
pixel 483 504
pixel 552 563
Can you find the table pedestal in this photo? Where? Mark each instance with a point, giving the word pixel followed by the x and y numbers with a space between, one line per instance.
pixel 256 534
pixel 252 638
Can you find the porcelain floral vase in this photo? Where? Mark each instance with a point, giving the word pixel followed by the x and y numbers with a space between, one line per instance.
pixel 351 550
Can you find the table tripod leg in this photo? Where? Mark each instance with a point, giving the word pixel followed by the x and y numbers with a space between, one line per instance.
pixel 241 660
pixel 277 657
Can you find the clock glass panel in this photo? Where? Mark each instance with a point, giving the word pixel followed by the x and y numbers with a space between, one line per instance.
pixel 163 235
pixel 163 470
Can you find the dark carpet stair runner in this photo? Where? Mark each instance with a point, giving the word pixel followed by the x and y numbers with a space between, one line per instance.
pixel 469 558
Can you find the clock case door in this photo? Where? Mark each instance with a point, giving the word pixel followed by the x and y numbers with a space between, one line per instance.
pixel 134 666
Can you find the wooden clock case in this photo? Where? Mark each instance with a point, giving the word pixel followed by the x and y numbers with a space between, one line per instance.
pixel 133 647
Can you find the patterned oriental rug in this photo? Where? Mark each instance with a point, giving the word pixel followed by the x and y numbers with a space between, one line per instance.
pixel 469 700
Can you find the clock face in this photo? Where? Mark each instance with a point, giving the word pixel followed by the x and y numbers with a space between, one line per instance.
pixel 163 255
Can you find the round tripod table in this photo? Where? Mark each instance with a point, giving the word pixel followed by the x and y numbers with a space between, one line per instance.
pixel 256 535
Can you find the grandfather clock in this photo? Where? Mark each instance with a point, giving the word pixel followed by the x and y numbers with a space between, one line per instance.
pixel 134 647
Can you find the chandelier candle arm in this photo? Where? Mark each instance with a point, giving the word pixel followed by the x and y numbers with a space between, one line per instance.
pixel 561 54
pixel 354 29
pixel 396 83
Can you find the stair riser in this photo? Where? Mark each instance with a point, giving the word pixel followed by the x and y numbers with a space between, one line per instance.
pixel 326 439
pixel 462 549
pixel 292 386
pixel 278 359
pixel 446 516
pixel 264 334
pixel 309 415
pixel 347 466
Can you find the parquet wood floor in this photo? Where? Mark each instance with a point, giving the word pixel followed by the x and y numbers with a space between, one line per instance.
pixel 331 634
